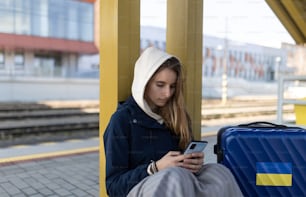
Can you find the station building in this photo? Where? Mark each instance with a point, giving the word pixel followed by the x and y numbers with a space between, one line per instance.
pixel 49 50
pixel 243 60
pixel 46 38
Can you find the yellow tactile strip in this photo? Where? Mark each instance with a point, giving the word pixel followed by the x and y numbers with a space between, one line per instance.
pixel 41 156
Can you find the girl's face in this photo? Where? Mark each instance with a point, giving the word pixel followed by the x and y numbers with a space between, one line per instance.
pixel 160 88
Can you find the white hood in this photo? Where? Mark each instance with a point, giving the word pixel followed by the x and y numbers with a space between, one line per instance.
pixel 146 65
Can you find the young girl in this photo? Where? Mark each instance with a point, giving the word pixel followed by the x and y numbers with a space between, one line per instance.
pixel 145 138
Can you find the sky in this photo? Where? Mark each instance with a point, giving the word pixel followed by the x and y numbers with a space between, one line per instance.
pixel 249 21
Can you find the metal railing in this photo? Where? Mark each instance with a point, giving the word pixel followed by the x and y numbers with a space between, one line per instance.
pixel 282 100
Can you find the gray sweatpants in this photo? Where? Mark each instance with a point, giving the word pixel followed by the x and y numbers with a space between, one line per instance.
pixel 214 180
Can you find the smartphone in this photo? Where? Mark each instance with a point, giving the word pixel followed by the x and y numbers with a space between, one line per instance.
pixel 196 146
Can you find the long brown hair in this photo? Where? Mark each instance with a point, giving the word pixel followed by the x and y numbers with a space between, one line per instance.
pixel 174 112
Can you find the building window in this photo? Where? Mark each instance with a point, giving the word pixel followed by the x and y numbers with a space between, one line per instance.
pixel 47 65
pixel 7 16
pixel 69 19
pixel 1 59
pixel 19 60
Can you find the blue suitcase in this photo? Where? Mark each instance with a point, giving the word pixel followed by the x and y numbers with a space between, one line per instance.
pixel 266 159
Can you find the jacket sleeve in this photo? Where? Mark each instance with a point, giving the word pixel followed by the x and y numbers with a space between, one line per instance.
pixel 119 177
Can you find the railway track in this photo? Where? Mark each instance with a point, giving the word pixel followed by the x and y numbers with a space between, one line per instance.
pixel 24 123
pixel 241 111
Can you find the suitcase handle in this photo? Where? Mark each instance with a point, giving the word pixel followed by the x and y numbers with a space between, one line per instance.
pixel 262 123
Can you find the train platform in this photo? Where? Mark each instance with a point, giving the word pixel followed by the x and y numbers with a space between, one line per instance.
pixel 71 167
pixel 67 168
pixel 58 169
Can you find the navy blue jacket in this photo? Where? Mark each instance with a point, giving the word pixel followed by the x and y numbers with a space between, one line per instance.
pixel 131 140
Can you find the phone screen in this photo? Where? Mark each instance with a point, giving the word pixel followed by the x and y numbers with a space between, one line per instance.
pixel 195 146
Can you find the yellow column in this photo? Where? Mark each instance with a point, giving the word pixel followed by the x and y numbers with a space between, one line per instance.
pixel 119 49
pixel 184 39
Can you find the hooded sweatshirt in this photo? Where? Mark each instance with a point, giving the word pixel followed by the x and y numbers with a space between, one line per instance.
pixel 135 135
pixel 147 64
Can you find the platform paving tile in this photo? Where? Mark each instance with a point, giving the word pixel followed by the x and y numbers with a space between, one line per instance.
pixel 20 195
pixel 10 188
pixel 46 192
pixel 20 184
pixel 4 194
pixel 8 170
pixel 78 192
pixel 38 195
pixel 74 175
pixel 93 192
pixel 29 191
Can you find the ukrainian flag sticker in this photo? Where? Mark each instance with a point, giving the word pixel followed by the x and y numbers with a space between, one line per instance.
pixel 273 174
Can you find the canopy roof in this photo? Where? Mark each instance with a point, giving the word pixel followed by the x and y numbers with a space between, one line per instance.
pixel 292 14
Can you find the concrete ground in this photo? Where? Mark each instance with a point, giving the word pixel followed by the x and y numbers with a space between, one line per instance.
pixel 210 157
pixel 75 175
pixel 68 168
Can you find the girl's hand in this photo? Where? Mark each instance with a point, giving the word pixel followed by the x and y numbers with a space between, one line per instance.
pixel 193 161
pixel 171 159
